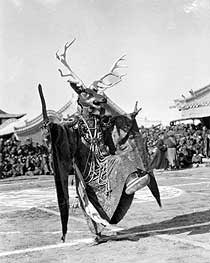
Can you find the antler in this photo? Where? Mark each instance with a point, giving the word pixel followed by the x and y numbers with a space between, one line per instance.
pixel 101 85
pixel 73 78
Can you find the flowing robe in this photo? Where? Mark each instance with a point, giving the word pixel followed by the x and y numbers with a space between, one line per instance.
pixel 105 191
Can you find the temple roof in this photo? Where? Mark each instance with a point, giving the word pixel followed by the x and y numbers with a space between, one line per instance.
pixel 195 106
pixel 197 94
pixel 37 121
pixel 5 115
pixel 198 98
pixel 2 112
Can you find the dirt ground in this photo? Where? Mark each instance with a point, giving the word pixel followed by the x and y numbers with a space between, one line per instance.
pixel 179 232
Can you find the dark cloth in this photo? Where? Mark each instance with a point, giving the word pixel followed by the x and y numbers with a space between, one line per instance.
pixel 140 150
pixel 106 193
pixel 66 143
pixel 207 145
pixel 63 142
pixel 159 160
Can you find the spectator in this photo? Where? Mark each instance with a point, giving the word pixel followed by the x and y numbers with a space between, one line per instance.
pixel 196 159
pixel 26 159
pixel 159 160
pixel 191 140
pixel 171 144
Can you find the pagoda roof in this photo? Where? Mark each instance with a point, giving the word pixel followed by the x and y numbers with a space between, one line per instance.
pixel 2 112
pixel 5 115
pixel 196 106
pixel 198 94
pixel 37 121
pixel 196 99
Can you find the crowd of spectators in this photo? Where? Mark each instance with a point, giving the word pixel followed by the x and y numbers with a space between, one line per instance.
pixel 18 159
pixel 191 143
pixel 172 147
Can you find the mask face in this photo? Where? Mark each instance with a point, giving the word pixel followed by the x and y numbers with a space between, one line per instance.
pixel 92 100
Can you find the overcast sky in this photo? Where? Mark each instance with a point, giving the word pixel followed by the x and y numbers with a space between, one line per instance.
pixel 167 44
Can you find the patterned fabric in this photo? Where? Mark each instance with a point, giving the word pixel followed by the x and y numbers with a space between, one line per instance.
pixel 105 157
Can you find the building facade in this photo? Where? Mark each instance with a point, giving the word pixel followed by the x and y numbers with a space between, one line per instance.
pixel 196 106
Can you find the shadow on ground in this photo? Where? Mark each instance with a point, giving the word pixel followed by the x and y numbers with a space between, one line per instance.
pixel 177 225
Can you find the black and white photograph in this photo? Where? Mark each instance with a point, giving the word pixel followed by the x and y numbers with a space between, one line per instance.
pixel 104 131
